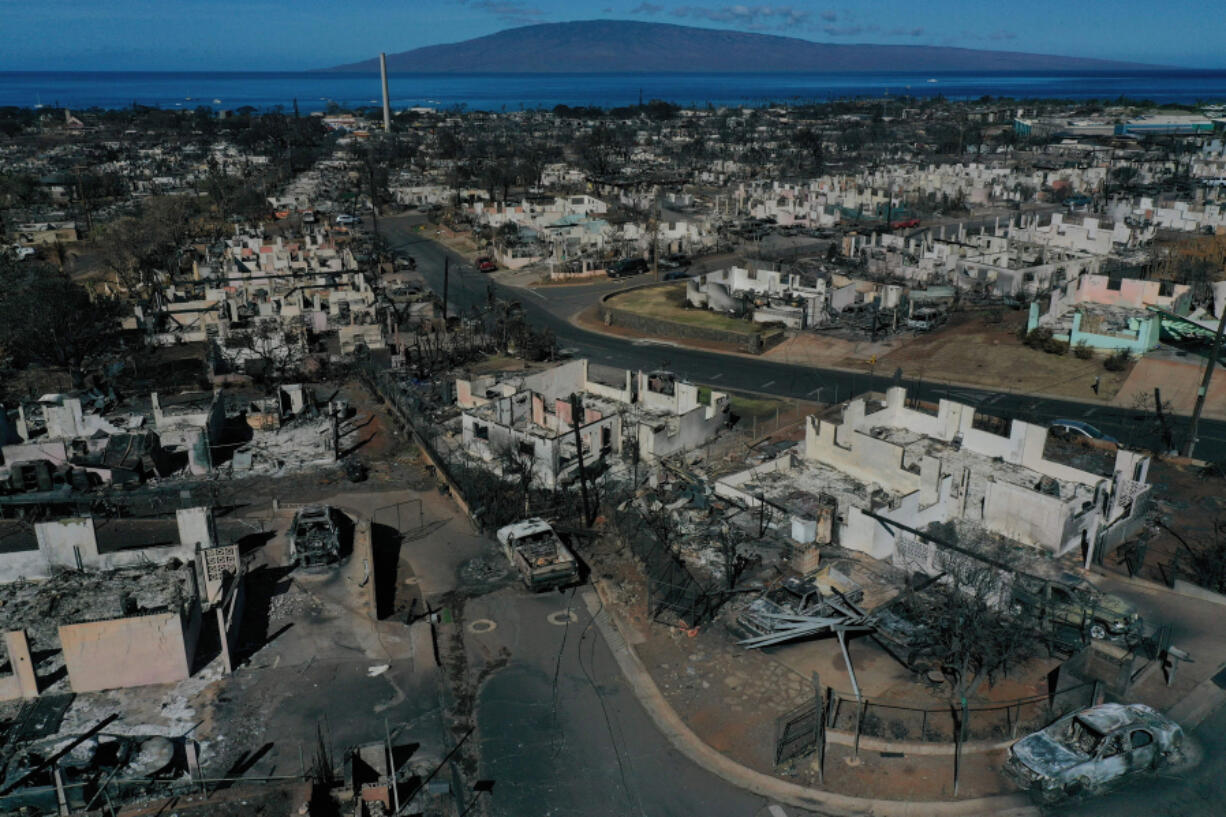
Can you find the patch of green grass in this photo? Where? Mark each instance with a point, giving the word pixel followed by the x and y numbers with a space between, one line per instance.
pixel 746 406
pixel 667 302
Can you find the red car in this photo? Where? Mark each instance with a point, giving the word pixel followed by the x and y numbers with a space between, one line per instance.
pixel 904 224
pixel 486 264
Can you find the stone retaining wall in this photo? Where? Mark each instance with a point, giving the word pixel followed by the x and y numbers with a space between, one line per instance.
pixel 753 342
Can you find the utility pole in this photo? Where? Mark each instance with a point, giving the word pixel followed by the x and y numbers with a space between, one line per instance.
pixel 446 280
pixel 374 202
pixel 89 213
pixel 576 408
pixel 655 239
pixel 1204 385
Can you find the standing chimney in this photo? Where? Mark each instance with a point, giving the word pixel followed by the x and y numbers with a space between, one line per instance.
pixel 387 110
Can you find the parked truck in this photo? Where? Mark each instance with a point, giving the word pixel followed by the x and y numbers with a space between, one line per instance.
pixel 536 551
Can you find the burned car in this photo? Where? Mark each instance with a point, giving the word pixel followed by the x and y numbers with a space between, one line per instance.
pixel 314 538
pixel 1073 604
pixel 1090 749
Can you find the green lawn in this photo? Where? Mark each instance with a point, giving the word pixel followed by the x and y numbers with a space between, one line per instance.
pixel 745 405
pixel 667 302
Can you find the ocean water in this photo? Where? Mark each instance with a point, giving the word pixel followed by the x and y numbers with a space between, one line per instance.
pixel 314 91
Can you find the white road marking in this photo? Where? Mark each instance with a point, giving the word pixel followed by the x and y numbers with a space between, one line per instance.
pixel 716 376
pixel 815 391
pixel 768 384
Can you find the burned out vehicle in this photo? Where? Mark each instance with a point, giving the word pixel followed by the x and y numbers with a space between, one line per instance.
pixel 536 551
pixel 314 538
pixel 1091 749
pixel 1073 605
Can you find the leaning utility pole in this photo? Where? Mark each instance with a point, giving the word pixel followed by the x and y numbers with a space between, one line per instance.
pixel 576 407
pixel 1204 385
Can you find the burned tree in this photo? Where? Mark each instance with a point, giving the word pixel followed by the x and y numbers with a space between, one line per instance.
pixel 517 458
pixel 50 320
pixel 1203 560
pixel 968 629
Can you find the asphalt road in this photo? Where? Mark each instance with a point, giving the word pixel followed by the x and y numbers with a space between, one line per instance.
pixel 561 731
pixel 552 308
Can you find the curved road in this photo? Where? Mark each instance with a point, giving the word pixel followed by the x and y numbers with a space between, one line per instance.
pixel 510 742
pixel 554 307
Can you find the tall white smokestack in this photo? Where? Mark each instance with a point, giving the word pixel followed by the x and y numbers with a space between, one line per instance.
pixel 387 109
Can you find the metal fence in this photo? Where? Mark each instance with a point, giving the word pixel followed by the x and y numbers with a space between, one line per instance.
pixel 671 587
pixel 800 731
pixel 797 731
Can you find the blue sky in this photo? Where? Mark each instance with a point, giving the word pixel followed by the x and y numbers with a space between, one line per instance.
pixel 305 34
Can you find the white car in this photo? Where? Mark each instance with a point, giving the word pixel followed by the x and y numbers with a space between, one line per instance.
pixel 345 218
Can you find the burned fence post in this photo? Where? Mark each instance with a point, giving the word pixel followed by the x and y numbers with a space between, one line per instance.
pixel 819 726
pixel 861 710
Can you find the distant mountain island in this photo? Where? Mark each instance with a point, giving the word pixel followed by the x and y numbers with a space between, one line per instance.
pixel 625 46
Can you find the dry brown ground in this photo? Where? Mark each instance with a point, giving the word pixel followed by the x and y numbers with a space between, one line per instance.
pixel 973 352
pixel 968 351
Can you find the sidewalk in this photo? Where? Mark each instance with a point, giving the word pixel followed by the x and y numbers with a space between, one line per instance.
pixel 1192 694
pixel 906 773
pixel 588 320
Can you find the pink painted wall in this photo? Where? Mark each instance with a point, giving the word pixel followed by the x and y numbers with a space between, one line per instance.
pixel 22 683
pixel 126 652
pixel 1132 292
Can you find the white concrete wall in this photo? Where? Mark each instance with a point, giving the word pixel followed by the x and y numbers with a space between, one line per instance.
pixel 864 458
pixel 60 541
pixel 53 450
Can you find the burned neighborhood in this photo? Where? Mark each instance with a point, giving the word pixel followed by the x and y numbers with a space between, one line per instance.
pixel 862 456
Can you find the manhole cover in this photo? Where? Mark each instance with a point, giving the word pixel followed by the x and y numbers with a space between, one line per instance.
pixel 562 617
pixel 481 625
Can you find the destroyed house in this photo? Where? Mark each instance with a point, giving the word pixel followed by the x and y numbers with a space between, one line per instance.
pixel 529 421
pixel 917 467
pixel 765 294
pixel 1111 313
pixel 108 630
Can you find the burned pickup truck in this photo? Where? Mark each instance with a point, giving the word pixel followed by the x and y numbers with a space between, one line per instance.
pixel 1072 609
pixel 314 538
pixel 536 551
